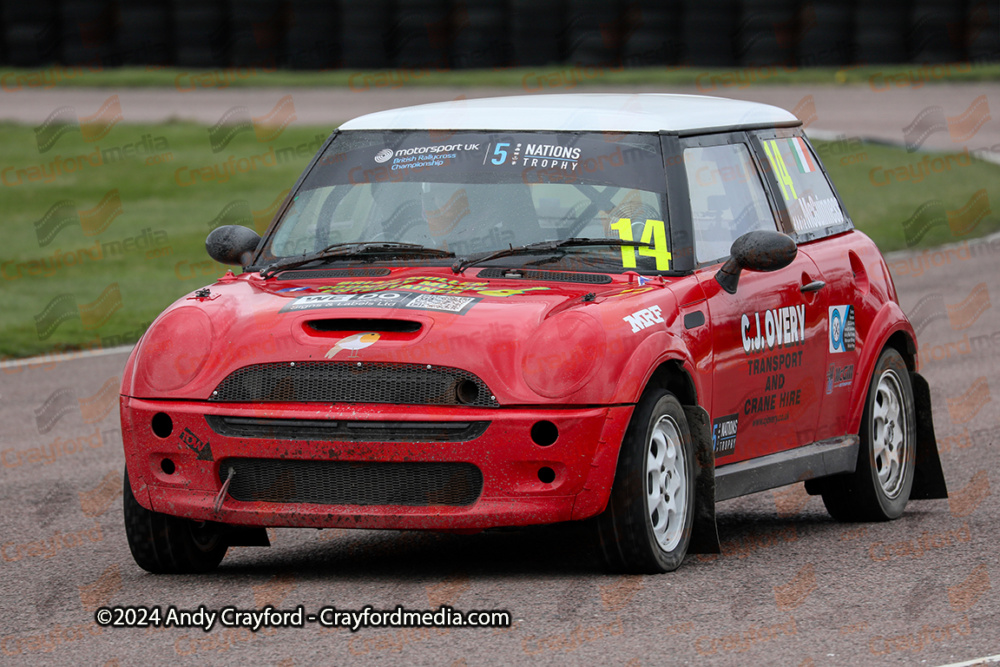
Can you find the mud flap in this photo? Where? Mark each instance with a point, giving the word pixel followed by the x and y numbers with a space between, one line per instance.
pixel 705 534
pixel 247 536
pixel 928 477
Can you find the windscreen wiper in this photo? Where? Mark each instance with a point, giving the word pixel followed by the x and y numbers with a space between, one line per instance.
pixel 353 249
pixel 537 248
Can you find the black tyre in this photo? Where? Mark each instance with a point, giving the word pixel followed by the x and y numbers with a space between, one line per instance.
pixel 880 485
pixel 646 527
pixel 164 544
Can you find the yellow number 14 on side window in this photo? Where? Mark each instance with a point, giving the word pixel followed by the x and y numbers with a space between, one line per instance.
pixel 653 233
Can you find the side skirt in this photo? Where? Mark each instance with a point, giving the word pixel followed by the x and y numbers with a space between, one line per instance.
pixel 820 459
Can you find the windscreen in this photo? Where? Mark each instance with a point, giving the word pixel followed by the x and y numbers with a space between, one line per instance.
pixel 472 193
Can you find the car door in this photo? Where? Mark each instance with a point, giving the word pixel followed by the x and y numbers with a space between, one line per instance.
pixel 811 212
pixel 768 337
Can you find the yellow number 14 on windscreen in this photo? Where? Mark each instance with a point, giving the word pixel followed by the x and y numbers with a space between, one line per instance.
pixel 653 233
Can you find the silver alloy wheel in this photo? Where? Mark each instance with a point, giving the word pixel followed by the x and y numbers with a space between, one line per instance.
pixel 889 429
pixel 666 483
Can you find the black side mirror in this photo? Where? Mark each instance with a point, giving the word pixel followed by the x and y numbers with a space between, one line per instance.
pixel 757 251
pixel 232 244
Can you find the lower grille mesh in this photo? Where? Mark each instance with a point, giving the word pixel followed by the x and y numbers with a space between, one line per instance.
pixel 352 483
pixel 347 382
pixel 345 430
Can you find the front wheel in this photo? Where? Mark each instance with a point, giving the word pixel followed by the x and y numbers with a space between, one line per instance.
pixel 880 486
pixel 646 527
pixel 164 544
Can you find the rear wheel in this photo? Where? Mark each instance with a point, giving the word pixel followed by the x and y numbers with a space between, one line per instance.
pixel 164 544
pixel 646 527
pixel 879 488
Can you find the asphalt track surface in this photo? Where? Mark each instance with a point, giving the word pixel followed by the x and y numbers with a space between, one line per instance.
pixel 792 586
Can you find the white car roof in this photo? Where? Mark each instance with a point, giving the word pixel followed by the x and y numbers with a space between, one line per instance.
pixel 643 112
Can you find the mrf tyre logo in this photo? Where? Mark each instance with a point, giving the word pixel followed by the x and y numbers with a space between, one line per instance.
pixel 841 328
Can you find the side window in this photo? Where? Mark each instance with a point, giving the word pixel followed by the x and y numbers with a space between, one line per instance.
pixel 727 198
pixel 810 202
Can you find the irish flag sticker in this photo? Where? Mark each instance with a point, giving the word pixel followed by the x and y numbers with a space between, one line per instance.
pixel 802 156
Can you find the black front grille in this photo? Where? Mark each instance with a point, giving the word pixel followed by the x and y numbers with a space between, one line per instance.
pixel 556 276
pixel 354 382
pixel 352 483
pixel 345 430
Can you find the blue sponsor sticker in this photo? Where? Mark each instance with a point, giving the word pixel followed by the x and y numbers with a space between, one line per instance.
pixel 841 328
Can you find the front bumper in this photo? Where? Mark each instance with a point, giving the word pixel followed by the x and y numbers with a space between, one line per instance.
pixel 583 460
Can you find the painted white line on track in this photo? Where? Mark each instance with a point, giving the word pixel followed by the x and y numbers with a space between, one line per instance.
pixel 66 356
pixel 989 660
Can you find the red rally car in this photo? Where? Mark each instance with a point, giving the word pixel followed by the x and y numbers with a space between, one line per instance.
pixel 528 310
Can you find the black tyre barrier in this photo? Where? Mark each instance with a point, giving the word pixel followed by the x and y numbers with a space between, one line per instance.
pixel 87 32
pixel 823 34
pixel 145 34
pixel 420 34
pixel 30 33
pixel 258 30
pixel 31 43
pixel 650 33
pixel 480 34
pixel 537 32
pixel 766 34
pixel 936 31
pixel 313 37
pixel 593 32
pixel 982 31
pixel 880 32
pixel 202 33
pixel 364 29
pixel 708 33
pixel 27 12
pixel 460 34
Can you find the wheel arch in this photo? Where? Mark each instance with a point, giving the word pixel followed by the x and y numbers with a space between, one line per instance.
pixel 672 375
pixel 928 475
pixel 662 360
pixel 889 328
pixel 902 342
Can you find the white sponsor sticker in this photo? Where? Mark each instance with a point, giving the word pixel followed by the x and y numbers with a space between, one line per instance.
pixel 646 317
pixel 451 304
